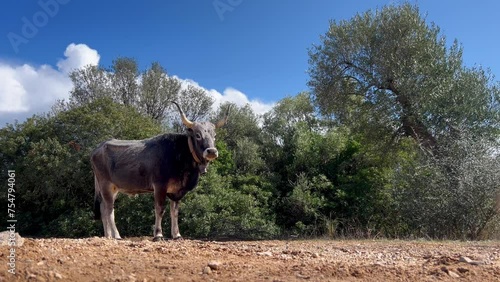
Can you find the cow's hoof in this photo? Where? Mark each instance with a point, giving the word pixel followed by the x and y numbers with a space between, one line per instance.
pixel 178 238
pixel 158 239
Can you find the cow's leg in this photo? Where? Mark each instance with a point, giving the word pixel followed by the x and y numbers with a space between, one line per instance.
pixel 100 205
pixel 114 230
pixel 160 198
pixel 105 209
pixel 109 193
pixel 105 220
pixel 174 216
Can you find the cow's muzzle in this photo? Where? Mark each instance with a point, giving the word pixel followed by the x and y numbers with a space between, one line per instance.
pixel 210 154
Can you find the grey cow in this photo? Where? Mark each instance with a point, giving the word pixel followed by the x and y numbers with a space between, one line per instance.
pixel 167 165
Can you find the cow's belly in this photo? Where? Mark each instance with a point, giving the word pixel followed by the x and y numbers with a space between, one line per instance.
pixel 133 190
pixel 132 184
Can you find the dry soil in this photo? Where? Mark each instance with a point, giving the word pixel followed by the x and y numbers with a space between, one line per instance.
pixel 140 259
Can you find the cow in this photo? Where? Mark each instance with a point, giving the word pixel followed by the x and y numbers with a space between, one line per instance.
pixel 168 165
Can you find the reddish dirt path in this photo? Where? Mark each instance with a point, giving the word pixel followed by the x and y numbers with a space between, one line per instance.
pixel 140 259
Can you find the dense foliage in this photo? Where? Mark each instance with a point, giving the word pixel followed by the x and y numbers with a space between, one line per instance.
pixel 391 79
pixel 396 139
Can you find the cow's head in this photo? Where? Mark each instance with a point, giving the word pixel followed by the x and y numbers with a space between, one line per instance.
pixel 202 138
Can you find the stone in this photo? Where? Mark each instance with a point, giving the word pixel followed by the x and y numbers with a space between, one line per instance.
pixel 465 259
pixel 214 265
pixel 301 276
pixel 16 239
pixel 449 272
pixel 470 261
pixel 453 274
pixel 462 270
pixel 207 270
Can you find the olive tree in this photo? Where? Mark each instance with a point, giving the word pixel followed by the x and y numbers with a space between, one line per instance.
pixel 390 77
pixel 388 74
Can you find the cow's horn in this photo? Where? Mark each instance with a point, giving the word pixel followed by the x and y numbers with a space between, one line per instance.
pixel 223 121
pixel 185 120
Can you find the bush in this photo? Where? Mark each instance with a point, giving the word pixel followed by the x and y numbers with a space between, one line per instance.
pixel 304 205
pixel 217 209
pixel 135 215
pixel 50 154
pixel 455 194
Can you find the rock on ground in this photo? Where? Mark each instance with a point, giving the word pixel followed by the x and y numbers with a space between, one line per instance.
pixel 8 238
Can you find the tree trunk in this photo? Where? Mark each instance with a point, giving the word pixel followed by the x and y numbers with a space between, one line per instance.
pixel 412 126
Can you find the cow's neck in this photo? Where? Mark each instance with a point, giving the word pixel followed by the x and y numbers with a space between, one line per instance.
pixel 193 152
pixel 202 166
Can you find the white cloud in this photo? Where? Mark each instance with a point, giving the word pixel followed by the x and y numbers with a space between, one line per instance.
pixel 27 89
pixel 12 93
pixel 235 96
pixel 231 95
pixel 78 56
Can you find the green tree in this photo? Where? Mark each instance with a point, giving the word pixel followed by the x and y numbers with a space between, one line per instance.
pixel 196 103
pixel 243 137
pixel 328 180
pixel 89 84
pixel 281 126
pixel 389 77
pixel 149 94
pixel 247 156
pixel 157 90
pixel 281 122
pixel 388 74
pixel 243 123
pixel 124 77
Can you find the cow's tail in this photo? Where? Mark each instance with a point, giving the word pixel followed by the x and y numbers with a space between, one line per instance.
pixel 97 200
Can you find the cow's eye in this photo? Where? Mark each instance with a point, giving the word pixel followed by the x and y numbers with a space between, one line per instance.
pixel 198 136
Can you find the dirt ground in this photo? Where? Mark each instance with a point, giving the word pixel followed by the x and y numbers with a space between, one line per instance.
pixel 140 259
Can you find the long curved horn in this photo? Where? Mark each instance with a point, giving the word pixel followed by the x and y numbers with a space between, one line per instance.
pixel 223 121
pixel 185 120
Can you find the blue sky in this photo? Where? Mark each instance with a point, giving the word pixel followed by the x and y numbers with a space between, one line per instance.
pixel 246 50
